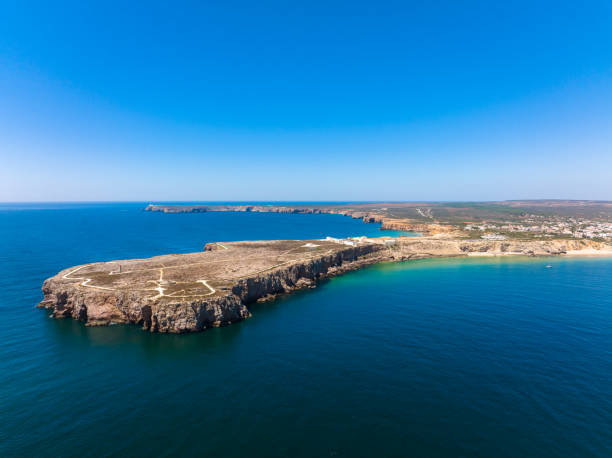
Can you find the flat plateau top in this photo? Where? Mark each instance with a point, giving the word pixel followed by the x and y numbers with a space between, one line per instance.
pixel 194 275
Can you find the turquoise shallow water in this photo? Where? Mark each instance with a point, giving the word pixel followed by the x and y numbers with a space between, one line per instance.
pixel 471 357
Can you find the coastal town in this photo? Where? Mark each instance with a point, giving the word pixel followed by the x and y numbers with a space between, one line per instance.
pixel 538 226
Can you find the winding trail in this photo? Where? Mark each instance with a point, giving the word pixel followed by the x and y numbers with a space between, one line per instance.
pixel 160 288
pixel 85 280
pixel 212 290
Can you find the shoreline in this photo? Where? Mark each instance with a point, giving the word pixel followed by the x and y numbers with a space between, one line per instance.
pixel 195 291
pixel 365 214
pixel 587 253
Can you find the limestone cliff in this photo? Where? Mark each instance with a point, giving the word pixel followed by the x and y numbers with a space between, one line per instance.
pixel 192 292
pixel 181 300
pixel 421 247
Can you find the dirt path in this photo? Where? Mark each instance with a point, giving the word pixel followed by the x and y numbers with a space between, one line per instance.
pixel 85 280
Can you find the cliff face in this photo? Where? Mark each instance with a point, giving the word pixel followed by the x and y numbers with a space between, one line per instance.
pixel 301 275
pixel 408 226
pixel 68 296
pixel 99 307
pixel 413 248
pixel 236 208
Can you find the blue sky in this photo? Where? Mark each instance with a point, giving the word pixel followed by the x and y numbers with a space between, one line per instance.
pixel 313 101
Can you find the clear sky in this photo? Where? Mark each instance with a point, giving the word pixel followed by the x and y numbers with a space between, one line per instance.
pixel 287 100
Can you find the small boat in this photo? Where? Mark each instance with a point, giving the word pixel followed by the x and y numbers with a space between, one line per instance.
pixel 549 266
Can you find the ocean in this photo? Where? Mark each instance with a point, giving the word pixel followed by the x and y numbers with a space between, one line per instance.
pixel 435 358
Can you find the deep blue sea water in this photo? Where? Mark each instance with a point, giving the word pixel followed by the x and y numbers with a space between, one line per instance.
pixel 469 357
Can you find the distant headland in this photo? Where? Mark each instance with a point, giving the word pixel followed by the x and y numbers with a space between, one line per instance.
pixel 513 219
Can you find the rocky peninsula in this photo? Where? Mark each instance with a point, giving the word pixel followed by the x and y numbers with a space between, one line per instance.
pixel 191 292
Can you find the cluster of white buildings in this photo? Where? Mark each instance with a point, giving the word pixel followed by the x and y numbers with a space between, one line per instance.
pixel 577 228
pixel 354 241
pixel 603 230
pixel 493 237
pixel 348 242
